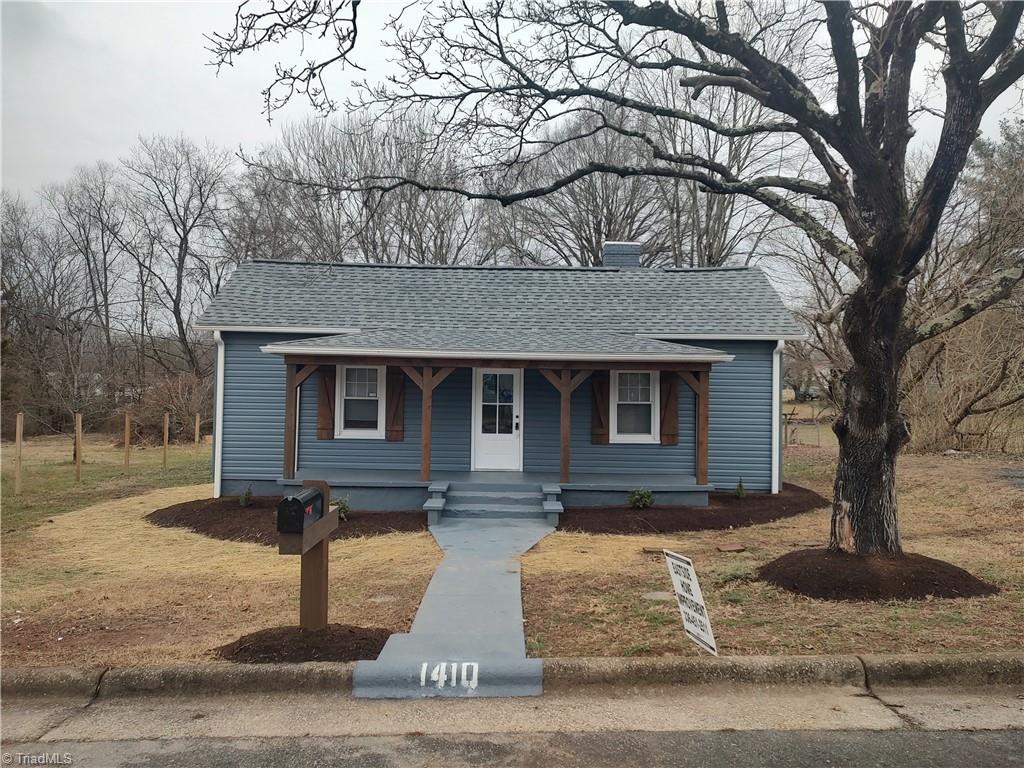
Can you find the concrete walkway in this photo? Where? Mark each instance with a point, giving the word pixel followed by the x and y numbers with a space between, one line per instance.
pixel 467 639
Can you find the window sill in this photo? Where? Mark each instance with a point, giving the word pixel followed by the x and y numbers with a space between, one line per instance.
pixel 358 435
pixel 634 439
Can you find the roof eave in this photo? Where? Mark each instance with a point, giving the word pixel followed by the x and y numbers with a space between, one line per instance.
pixel 278 349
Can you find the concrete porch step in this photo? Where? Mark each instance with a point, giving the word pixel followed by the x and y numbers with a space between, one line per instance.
pixel 512 511
pixel 488 486
pixel 495 497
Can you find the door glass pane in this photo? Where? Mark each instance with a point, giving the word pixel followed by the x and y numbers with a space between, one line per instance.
pixel 634 418
pixel 490 388
pixel 360 414
pixel 489 419
pixel 505 387
pixel 504 419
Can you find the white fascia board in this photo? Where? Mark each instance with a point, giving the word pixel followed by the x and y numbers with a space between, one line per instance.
pixel 276 349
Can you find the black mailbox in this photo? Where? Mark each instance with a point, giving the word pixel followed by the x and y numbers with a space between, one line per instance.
pixel 297 512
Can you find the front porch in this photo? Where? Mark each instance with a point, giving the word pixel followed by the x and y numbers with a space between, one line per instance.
pixel 667 453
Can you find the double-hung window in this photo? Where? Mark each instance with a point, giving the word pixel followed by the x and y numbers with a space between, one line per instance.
pixel 634 407
pixel 360 402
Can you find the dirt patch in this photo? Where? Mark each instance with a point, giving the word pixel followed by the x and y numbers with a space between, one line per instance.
pixel 292 645
pixel 827 575
pixel 724 511
pixel 226 520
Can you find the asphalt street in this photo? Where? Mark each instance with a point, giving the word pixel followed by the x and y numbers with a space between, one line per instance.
pixel 609 749
pixel 595 726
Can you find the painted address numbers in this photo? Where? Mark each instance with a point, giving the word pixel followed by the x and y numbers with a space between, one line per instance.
pixel 439 674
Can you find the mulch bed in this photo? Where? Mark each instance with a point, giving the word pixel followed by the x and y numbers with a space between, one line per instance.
pixel 293 645
pixel 829 575
pixel 226 520
pixel 724 511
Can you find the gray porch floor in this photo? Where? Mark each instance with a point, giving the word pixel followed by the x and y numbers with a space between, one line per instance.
pixel 577 480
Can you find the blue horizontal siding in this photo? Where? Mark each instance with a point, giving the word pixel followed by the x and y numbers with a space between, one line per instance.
pixel 739 442
pixel 450 438
pixel 542 439
pixel 254 383
pixel 740 439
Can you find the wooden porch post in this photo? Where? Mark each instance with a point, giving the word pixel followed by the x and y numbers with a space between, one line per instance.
pixel 566 384
pixel 290 420
pixel 427 380
pixel 427 392
pixel 700 383
pixel 293 380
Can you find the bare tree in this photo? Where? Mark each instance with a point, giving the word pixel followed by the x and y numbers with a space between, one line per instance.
pixel 494 73
pixel 177 194
pixel 404 226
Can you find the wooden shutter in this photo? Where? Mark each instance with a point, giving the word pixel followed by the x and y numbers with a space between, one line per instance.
pixel 599 408
pixel 669 408
pixel 394 408
pixel 325 403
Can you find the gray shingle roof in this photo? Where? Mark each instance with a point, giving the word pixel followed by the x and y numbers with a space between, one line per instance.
pixel 499 343
pixel 339 297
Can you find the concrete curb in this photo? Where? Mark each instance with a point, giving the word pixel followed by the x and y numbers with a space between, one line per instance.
pixel 225 679
pixel 937 669
pixel 760 670
pixel 66 682
pixel 559 674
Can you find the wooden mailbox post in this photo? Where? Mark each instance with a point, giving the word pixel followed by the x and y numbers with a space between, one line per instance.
pixel 313 545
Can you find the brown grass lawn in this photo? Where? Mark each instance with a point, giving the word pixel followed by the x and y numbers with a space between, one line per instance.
pixel 48 476
pixel 102 586
pixel 583 592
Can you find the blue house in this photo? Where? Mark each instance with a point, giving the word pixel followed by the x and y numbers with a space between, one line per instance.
pixel 458 388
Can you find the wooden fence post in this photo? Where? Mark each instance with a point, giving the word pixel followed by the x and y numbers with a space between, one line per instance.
pixel 197 433
pixel 167 427
pixel 19 428
pixel 78 447
pixel 127 438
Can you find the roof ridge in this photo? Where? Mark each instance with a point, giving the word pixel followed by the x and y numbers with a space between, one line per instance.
pixel 520 267
pixel 537 268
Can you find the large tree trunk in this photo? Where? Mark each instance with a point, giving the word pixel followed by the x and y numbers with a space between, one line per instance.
pixel 870 427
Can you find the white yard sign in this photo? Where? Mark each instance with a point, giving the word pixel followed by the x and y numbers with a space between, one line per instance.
pixel 691 602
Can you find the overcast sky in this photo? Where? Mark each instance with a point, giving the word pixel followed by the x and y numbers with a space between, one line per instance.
pixel 81 80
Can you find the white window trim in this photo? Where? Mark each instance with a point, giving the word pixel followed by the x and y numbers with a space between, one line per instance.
pixel 339 405
pixel 613 402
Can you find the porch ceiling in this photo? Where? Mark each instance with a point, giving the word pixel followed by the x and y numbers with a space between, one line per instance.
pixel 509 343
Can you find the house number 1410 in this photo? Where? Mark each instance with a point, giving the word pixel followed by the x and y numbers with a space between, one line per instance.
pixel 446 672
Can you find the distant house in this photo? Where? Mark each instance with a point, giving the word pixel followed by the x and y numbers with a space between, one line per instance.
pixel 411 385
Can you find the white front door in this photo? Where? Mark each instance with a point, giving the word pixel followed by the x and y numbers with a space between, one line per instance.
pixel 497 418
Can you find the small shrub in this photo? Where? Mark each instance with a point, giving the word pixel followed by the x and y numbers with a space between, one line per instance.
pixel 245 499
pixel 640 498
pixel 343 507
pixel 741 492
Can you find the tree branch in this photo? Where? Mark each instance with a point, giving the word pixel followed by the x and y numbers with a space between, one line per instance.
pixel 1001 287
